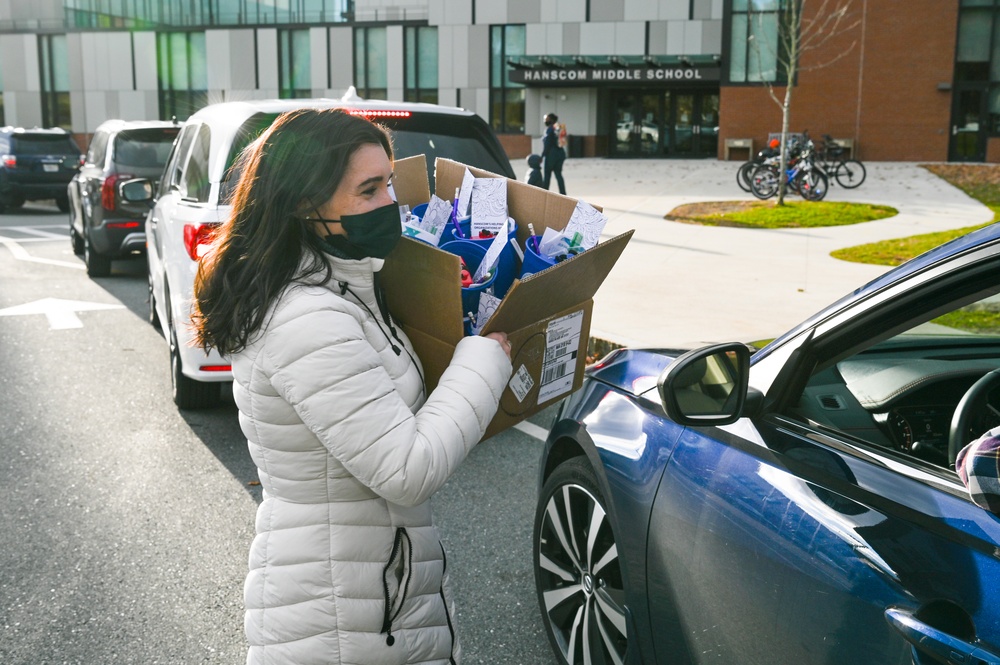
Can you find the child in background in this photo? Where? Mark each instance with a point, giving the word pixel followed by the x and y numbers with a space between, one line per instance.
pixel 535 171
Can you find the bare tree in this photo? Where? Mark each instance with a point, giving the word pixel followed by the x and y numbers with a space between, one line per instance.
pixel 802 26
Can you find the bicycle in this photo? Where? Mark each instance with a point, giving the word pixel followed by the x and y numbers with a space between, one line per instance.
pixel 849 173
pixel 747 168
pixel 804 176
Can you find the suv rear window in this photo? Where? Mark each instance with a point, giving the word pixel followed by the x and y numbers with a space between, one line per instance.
pixel 144 147
pixel 43 144
pixel 467 139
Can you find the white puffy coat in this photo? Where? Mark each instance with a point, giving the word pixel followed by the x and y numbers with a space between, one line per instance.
pixel 347 566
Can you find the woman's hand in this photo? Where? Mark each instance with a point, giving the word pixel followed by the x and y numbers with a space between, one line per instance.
pixel 502 339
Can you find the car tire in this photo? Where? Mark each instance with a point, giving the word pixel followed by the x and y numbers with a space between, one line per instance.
pixel 62 202
pixel 153 317
pixel 76 240
pixel 188 393
pixel 578 575
pixel 16 202
pixel 98 265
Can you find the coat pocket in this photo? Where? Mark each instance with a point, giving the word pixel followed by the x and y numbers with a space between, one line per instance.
pixel 396 581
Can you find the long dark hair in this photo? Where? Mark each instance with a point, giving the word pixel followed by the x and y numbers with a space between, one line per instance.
pixel 292 168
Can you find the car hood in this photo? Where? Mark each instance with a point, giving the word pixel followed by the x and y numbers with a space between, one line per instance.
pixel 634 371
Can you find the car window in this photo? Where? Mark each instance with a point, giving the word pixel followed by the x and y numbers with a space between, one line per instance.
pixel 466 139
pixel 98 148
pixel 175 165
pixel 900 394
pixel 44 144
pixel 194 183
pixel 144 148
pixel 248 132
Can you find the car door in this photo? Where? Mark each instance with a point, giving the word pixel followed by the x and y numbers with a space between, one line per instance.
pixel 809 534
pixel 160 222
pixel 85 192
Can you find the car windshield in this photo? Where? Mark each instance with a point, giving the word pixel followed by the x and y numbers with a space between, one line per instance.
pixel 468 140
pixel 43 144
pixel 147 147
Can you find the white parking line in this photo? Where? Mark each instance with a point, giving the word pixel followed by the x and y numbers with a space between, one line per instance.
pixel 532 430
pixel 22 255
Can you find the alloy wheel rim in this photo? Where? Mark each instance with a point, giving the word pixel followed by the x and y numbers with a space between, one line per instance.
pixel 580 581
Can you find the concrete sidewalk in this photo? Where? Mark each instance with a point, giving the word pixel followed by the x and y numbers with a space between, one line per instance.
pixel 688 285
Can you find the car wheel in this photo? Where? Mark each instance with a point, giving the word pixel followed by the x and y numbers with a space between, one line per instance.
pixel 75 238
pixel 188 393
pixel 98 265
pixel 577 570
pixel 62 202
pixel 154 318
pixel 17 202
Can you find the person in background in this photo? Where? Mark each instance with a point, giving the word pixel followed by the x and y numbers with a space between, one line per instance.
pixel 978 465
pixel 552 153
pixel 347 566
pixel 534 176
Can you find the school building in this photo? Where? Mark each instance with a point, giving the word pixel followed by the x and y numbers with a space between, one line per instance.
pixel 908 80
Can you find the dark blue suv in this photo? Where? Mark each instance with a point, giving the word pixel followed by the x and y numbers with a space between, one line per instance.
pixel 36 164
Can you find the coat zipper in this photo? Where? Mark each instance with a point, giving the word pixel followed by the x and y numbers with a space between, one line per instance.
pixel 447 612
pixel 389 616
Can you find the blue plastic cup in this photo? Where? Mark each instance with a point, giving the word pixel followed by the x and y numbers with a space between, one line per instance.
pixel 508 264
pixel 473 255
pixel 534 261
pixel 449 231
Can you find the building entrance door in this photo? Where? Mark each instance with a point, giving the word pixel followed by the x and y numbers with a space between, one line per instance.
pixel 969 122
pixel 665 123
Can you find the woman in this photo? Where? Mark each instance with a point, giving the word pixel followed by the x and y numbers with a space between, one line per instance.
pixel 553 154
pixel 347 566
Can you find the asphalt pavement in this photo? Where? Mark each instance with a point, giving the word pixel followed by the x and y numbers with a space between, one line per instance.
pixel 686 285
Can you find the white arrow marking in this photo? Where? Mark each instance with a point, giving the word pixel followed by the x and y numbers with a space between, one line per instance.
pixel 60 313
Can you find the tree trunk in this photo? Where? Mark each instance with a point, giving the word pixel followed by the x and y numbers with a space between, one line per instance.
pixel 783 168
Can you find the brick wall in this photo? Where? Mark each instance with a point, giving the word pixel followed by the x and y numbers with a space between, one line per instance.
pixel 883 94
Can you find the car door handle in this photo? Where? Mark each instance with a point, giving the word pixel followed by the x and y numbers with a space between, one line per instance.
pixel 937 643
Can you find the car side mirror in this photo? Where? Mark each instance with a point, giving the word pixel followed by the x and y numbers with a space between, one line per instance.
pixel 136 195
pixel 706 387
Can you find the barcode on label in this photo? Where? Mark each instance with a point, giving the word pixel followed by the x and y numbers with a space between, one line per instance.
pixel 556 372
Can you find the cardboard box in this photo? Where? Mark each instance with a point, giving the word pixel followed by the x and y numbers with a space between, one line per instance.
pixel 546 316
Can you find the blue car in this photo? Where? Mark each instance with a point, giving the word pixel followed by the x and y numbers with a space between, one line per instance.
pixel 797 504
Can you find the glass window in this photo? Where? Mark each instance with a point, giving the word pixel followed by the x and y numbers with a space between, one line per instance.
pixel 183 73
pixel 144 148
pixel 370 63
pixel 754 41
pixel 194 184
pixel 54 74
pixel 900 393
pixel 506 97
pixel 98 147
pixel 294 62
pixel 421 64
pixel 143 13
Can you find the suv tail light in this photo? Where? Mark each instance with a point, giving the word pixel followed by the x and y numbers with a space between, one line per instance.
pixel 108 189
pixel 10 161
pixel 197 239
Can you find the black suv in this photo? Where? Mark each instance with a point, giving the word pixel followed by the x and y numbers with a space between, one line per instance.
pixel 100 228
pixel 36 164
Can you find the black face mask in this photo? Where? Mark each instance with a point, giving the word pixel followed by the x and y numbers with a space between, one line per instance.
pixel 370 234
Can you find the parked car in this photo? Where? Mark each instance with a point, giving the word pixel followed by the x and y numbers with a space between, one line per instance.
pixel 192 200
pixel 100 227
pixel 798 504
pixel 36 164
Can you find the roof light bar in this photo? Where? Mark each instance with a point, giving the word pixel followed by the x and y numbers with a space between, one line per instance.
pixel 379 113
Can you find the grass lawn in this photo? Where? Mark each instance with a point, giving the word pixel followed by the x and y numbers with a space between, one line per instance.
pixel 767 215
pixel 980 181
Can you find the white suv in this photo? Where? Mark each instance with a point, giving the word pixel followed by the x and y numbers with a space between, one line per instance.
pixel 197 181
